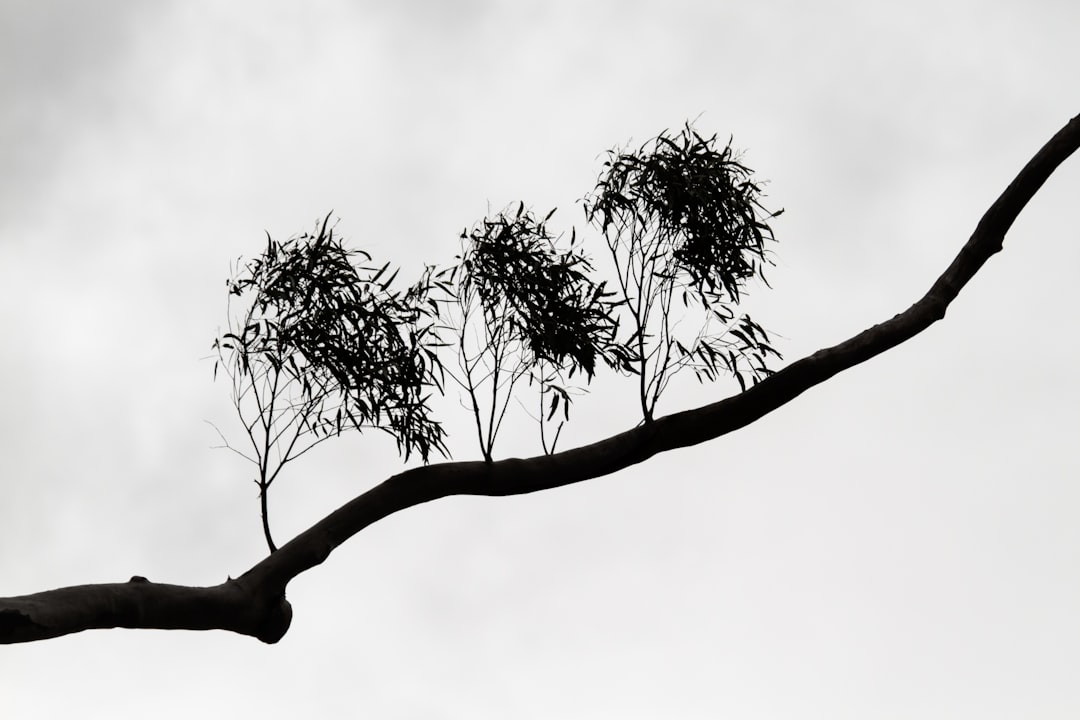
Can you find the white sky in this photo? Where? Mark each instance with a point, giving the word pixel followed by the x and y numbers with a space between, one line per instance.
pixel 900 542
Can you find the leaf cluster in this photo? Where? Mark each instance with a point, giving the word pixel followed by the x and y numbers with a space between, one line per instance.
pixel 336 329
pixel 682 219
pixel 325 343
pixel 536 311
pixel 698 201
pixel 541 294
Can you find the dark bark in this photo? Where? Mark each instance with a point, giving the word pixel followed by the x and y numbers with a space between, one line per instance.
pixel 255 603
pixel 233 605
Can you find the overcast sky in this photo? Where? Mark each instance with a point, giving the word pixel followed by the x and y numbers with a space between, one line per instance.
pixel 900 542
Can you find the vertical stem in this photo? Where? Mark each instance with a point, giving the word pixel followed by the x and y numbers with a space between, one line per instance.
pixel 265 517
pixel 543 440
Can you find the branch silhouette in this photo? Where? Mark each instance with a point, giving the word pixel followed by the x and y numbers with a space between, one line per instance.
pixel 254 604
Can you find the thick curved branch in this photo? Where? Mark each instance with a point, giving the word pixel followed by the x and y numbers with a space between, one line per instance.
pixel 233 605
pixel 255 605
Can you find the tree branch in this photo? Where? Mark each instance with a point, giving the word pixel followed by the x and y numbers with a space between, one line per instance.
pixel 233 605
pixel 255 603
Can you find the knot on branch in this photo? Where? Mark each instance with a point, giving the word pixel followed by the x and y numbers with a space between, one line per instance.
pixel 274 621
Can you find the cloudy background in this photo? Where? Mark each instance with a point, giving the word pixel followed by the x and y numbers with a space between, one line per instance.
pixel 900 542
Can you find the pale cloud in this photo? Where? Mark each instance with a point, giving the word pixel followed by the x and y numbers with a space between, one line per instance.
pixel 900 540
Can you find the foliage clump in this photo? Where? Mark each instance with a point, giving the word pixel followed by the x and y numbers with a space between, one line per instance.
pixel 530 310
pixel 683 220
pixel 324 343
